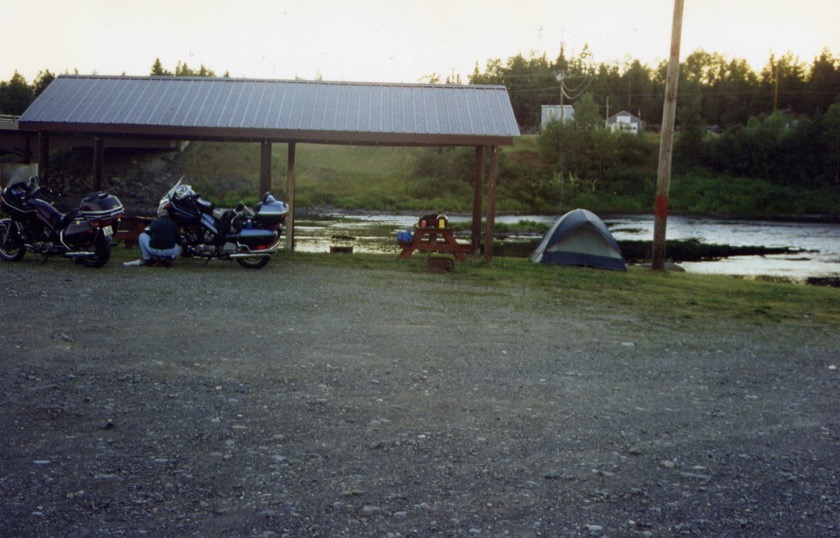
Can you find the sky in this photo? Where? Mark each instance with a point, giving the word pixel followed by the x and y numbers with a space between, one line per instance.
pixel 392 40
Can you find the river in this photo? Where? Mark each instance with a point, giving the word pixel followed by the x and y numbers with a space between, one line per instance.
pixel 816 245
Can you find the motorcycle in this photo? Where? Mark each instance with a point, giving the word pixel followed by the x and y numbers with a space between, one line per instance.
pixel 248 235
pixel 35 225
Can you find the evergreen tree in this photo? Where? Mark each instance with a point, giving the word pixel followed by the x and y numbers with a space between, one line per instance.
pixel 15 95
pixel 158 70
pixel 43 80
pixel 586 113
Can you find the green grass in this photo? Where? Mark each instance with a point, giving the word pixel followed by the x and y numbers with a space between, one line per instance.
pixel 352 177
pixel 384 179
pixel 654 295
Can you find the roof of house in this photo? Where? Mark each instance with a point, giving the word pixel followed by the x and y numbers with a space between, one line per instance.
pixel 277 110
pixel 623 114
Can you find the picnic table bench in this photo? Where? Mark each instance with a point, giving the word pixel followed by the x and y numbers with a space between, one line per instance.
pixel 433 239
pixel 130 229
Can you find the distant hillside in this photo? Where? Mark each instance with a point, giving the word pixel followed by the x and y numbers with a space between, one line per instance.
pixel 416 179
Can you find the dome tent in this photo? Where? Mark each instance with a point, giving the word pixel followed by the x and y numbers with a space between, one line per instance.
pixel 579 237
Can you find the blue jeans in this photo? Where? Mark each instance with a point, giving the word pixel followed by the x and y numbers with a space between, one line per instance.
pixel 149 252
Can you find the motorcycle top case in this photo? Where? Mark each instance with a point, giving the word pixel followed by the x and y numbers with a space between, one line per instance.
pixel 100 206
pixel 256 237
pixel 273 212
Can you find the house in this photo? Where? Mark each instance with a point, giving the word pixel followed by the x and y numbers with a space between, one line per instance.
pixel 563 113
pixel 624 122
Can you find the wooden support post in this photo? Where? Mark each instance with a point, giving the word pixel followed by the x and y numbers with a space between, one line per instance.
pixel 290 199
pixel 265 166
pixel 669 108
pixel 478 186
pixel 491 203
pixel 98 159
pixel 44 158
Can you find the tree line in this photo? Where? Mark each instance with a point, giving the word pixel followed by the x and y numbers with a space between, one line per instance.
pixel 779 127
pixel 726 92
pixel 17 94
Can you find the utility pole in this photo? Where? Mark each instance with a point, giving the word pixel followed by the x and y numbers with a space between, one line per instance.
pixel 669 109
pixel 560 76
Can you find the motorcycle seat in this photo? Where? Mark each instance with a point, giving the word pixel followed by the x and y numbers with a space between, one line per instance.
pixel 224 220
pixel 68 217
pixel 48 212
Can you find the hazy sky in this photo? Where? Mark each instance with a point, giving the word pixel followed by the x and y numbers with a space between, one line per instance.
pixel 391 40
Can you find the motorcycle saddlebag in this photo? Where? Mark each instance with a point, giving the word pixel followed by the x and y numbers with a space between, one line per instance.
pixel 256 238
pixel 100 206
pixel 78 232
pixel 269 213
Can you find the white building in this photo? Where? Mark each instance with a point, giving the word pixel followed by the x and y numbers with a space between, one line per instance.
pixel 625 122
pixel 562 113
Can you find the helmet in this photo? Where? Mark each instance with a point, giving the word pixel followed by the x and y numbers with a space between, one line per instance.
pixel 182 192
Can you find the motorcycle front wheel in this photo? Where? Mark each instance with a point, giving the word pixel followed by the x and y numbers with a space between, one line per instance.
pixel 12 248
pixel 102 253
pixel 253 263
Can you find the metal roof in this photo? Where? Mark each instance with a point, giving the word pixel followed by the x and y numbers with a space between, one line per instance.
pixel 199 108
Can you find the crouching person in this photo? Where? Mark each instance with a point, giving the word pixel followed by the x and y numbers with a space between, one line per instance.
pixel 158 243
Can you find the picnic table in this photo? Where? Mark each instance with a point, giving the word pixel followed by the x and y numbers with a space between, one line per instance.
pixel 130 229
pixel 434 239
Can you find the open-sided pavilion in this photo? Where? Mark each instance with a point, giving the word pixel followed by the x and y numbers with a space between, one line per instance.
pixel 110 109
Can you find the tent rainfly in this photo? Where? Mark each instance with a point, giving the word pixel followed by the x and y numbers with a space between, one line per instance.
pixel 580 237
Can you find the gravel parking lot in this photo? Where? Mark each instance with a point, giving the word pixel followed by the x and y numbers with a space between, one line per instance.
pixel 306 400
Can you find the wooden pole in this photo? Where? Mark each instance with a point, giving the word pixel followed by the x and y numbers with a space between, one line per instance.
pixel 44 158
pixel 478 194
pixel 98 159
pixel 265 166
pixel 290 199
pixel 491 204
pixel 669 108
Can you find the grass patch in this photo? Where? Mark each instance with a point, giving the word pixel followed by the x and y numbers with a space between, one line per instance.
pixel 660 296
pixel 440 179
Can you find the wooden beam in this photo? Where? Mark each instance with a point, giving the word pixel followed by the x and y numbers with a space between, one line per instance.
pixel 478 195
pixel 44 157
pixel 290 199
pixel 265 166
pixel 491 204
pixel 98 159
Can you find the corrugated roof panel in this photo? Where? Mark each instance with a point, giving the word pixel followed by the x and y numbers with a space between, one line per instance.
pixel 280 101
pixel 299 110
pixel 267 104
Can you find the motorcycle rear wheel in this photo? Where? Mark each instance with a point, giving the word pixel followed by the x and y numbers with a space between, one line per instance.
pixel 102 253
pixel 253 263
pixel 12 248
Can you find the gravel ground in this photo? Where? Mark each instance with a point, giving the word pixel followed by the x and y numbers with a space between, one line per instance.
pixel 302 400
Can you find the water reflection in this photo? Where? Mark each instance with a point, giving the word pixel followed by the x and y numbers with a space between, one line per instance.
pixel 817 245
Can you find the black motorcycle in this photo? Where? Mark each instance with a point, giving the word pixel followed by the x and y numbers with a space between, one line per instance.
pixel 248 235
pixel 83 234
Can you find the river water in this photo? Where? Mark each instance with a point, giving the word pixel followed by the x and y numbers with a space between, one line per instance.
pixel 816 245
